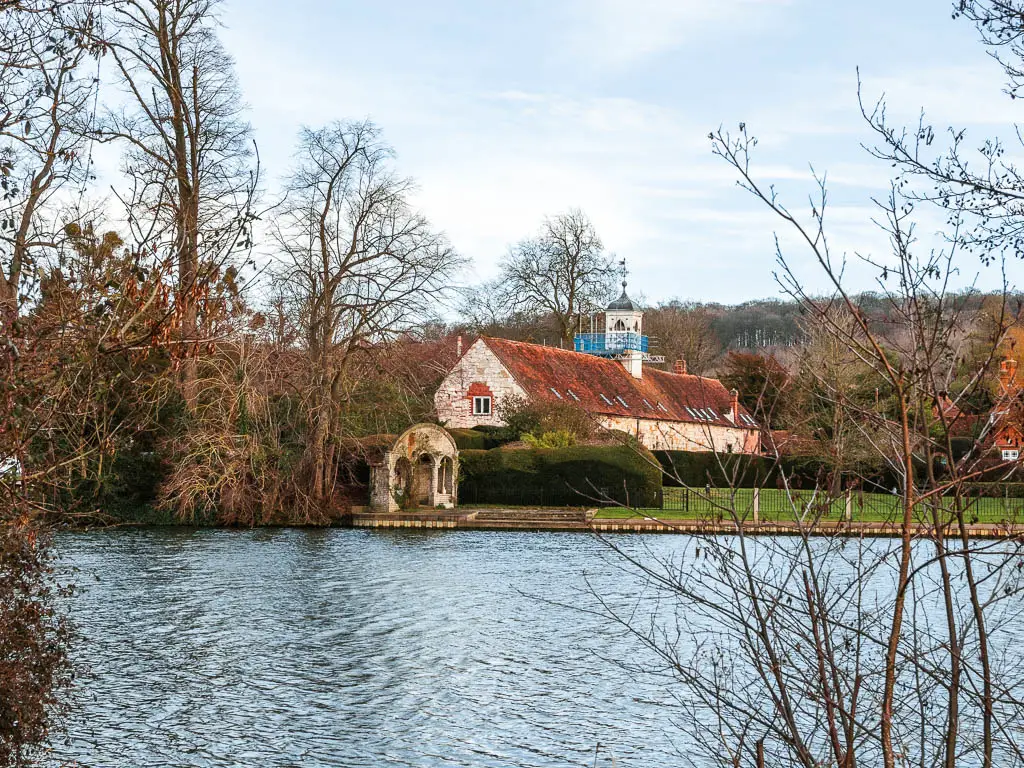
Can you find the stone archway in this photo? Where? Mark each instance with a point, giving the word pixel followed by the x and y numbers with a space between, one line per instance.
pixel 418 468
pixel 401 480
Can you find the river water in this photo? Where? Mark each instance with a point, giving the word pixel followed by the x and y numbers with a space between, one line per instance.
pixel 357 648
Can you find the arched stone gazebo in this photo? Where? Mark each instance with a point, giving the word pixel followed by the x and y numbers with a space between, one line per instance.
pixel 419 469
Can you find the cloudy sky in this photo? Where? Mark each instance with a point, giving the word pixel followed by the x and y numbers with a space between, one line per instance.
pixel 508 111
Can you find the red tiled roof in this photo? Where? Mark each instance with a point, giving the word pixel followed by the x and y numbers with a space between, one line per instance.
pixel 1007 416
pixel 542 371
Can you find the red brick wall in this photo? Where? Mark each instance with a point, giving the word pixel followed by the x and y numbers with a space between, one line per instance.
pixel 479 389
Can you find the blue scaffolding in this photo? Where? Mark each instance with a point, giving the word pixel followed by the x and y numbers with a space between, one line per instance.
pixel 610 344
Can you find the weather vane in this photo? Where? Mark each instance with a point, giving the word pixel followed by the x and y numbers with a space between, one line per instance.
pixel 622 267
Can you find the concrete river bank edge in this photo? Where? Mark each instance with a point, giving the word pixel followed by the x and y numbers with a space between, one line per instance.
pixel 561 519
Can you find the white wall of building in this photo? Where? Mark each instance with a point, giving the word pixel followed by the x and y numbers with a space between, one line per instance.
pixel 684 436
pixel 478 373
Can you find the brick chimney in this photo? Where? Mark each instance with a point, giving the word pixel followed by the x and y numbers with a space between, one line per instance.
pixel 734 409
pixel 680 367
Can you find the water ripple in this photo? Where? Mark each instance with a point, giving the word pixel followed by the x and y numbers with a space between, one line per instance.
pixel 350 648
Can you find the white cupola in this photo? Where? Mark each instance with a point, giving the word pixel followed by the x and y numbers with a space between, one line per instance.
pixel 624 329
pixel 623 338
pixel 623 316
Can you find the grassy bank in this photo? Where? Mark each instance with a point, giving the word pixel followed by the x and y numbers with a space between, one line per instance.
pixel 778 505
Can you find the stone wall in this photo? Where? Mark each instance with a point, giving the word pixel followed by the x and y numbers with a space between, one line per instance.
pixel 477 373
pixel 684 436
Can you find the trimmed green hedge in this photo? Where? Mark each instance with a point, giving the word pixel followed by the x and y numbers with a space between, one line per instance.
pixel 580 475
pixel 746 471
pixel 474 439
pixel 699 469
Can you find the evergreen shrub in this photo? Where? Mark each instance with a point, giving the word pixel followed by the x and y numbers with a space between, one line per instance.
pixel 471 439
pixel 581 475
pixel 745 471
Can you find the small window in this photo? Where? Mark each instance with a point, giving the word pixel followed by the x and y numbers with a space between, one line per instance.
pixel 649 406
pixel 624 403
pixel 605 399
pixel 481 406
pixel 1010 454
pixel 556 393
pixel 689 410
pixel 663 407
pixel 712 412
pixel 572 395
pixel 703 414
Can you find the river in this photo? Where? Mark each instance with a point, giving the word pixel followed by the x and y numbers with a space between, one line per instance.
pixel 292 647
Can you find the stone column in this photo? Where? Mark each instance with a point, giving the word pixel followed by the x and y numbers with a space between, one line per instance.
pixel 432 490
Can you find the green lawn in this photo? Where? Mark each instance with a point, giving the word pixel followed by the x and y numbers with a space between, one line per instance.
pixel 776 505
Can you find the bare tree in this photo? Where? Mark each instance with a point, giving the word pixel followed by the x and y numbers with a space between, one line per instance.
pixel 818 650
pixel 979 183
pixel 359 264
pixel 563 271
pixel 684 332
pixel 188 152
pixel 47 91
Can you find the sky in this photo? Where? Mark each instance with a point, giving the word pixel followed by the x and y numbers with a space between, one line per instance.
pixel 507 112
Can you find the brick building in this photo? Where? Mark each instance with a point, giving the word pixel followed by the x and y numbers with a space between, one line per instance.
pixel 605 375
pixel 1002 436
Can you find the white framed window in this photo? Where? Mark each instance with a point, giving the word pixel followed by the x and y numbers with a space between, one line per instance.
pixel 481 406
pixel 1010 454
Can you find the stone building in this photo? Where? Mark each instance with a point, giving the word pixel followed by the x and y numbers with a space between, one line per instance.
pixel 605 375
